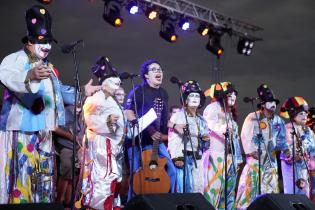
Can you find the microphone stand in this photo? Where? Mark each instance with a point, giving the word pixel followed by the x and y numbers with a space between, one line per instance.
pixel 226 144
pixel 133 142
pixel 77 90
pixel 186 137
pixel 300 149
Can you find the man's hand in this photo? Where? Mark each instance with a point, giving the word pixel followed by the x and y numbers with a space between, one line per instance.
pixel 113 118
pixel 40 72
pixel 179 128
pixel 179 163
pixel 156 136
pixel 89 89
pixel 254 155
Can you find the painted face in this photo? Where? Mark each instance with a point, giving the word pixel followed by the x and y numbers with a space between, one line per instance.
pixel 193 100
pixel 270 106
pixel 120 95
pixel 231 98
pixel 111 84
pixel 42 50
pixel 154 76
pixel 301 118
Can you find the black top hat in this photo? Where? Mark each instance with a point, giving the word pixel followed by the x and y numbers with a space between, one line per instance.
pixel 192 86
pixel 38 23
pixel 103 69
pixel 265 94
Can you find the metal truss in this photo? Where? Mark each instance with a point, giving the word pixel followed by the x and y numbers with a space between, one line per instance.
pixel 197 12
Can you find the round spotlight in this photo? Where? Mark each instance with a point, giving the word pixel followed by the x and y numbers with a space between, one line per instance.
pixel 151 13
pixel 184 24
pixel 133 7
pixel 118 22
pixel 251 45
pixel 203 29
pixel 174 38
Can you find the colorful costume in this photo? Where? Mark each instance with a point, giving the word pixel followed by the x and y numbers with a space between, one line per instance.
pixel 213 158
pixel 304 137
pixel 27 162
pixel 273 138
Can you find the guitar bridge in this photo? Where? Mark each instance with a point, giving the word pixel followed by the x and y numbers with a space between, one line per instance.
pixel 150 179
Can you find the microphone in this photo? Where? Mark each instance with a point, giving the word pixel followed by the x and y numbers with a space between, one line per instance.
pixel 126 75
pixel 67 48
pixel 249 99
pixel 175 80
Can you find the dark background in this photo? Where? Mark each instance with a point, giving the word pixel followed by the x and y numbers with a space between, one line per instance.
pixel 284 60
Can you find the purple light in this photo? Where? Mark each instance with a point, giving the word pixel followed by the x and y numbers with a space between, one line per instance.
pixel 134 10
pixel 185 26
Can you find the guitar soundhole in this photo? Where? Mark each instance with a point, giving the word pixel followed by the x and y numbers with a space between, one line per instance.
pixel 153 164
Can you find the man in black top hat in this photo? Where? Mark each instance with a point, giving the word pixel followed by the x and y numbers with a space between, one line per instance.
pixel 32 109
pixel 267 130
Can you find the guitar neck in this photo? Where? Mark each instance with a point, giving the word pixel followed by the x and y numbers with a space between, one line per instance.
pixel 155 146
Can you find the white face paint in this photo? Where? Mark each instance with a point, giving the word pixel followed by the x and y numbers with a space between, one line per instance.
pixel 271 106
pixel 120 95
pixel 42 50
pixel 301 118
pixel 111 84
pixel 193 100
pixel 231 98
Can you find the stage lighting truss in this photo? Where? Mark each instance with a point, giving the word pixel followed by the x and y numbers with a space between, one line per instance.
pixel 214 43
pixel 189 17
pixel 111 12
pixel 245 46
pixel 168 27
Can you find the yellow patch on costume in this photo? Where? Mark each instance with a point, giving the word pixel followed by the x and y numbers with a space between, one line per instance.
pixel 262 125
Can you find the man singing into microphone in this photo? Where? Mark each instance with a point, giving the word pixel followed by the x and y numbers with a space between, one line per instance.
pixel 32 109
pixel 149 95
pixel 272 139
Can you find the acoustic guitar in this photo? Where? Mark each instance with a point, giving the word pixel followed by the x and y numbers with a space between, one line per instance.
pixel 152 177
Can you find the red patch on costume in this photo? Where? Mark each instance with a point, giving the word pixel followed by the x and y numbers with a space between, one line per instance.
pixel 55 71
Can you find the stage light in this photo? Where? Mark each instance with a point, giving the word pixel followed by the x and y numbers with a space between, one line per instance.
pixel 184 24
pixel 203 29
pixel 245 46
pixel 214 43
pixel 45 1
pixel 112 13
pixel 133 7
pixel 168 26
pixel 151 13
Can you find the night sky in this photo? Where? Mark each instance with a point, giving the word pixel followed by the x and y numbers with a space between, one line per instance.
pixel 284 60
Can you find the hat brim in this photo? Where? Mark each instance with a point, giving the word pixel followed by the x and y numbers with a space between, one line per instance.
pixel 26 39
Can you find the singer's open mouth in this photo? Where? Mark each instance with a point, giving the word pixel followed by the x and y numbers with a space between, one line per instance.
pixel 45 50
